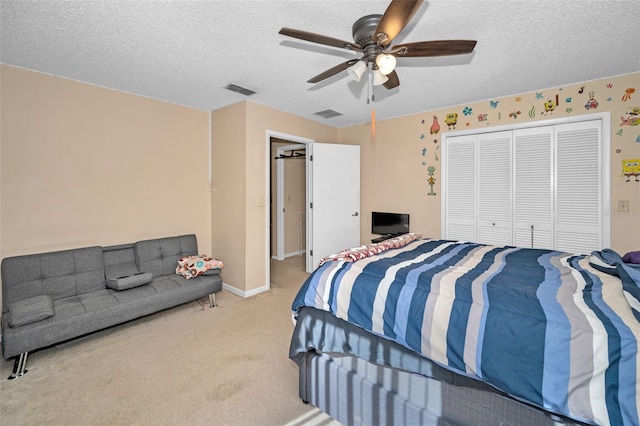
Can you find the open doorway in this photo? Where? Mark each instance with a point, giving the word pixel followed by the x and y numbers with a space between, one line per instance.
pixel 288 199
pixel 289 238
pixel 332 216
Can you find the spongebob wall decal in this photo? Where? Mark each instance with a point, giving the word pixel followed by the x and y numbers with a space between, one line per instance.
pixel 451 120
pixel 631 168
pixel 563 102
pixel 549 106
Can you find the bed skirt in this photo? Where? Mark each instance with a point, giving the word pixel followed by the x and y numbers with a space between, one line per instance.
pixel 362 379
pixel 356 392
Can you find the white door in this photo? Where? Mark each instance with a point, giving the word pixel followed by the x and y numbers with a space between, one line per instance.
pixel 579 187
pixel 494 188
pixel 460 196
pixel 334 200
pixel 533 187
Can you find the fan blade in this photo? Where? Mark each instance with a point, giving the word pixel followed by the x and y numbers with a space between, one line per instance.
pixel 433 48
pixel 395 18
pixel 393 80
pixel 332 71
pixel 320 39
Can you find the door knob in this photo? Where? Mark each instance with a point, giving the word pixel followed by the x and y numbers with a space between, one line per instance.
pixel 355 214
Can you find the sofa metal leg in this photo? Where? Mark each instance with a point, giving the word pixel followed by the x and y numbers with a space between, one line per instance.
pixel 19 366
pixel 212 300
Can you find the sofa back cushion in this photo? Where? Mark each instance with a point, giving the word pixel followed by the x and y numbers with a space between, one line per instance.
pixel 160 256
pixel 56 274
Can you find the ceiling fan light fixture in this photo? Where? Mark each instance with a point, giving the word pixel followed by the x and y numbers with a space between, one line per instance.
pixel 356 70
pixel 378 77
pixel 386 63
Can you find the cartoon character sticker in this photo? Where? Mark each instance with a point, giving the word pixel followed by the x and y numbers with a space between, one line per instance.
pixel 631 167
pixel 435 127
pixel 431 180
pixel 592 103
pixel 451 120
pixel 629 121
pixel 627 94
pixel 550 106
pixel 634 111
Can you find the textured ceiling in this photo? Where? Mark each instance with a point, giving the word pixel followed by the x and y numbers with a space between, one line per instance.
pixel 186 52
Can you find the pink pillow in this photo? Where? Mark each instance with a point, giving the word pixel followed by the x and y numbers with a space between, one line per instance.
pixel 631 257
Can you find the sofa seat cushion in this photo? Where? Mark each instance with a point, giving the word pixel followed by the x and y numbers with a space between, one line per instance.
pixel 30 310
pixel 97 300
pixel 167 283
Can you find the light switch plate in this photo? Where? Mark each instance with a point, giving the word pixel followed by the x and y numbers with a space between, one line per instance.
pixel 623 206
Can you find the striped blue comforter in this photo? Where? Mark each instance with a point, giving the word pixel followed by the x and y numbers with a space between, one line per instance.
pixel 543 326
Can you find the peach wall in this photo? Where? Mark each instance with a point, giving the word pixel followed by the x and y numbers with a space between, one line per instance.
pixel 228 132
pixel 249 244
pixel 259 120
pixel 405 147
pixel 241 182
pixel 83 165
pixel 389 178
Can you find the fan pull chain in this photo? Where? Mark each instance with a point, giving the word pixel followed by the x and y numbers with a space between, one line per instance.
pixel 369 85
pixel 373 95
pixel 373 99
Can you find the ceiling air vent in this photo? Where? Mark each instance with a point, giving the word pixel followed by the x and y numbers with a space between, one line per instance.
pixel 328 113
pixel 241 90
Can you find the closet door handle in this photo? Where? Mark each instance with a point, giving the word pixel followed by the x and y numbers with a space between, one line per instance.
pixel 355 214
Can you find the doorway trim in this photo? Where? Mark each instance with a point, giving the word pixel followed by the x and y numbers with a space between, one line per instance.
pixel 267 189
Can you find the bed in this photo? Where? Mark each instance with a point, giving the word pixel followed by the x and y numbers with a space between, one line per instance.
pixel 423 331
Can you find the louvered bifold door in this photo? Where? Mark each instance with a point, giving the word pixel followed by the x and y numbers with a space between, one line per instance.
pixel 460 193
pixel 494 188
pixel 578 187
pixel 533 187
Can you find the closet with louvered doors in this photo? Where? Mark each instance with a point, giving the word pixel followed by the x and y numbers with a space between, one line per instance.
pixel 539 187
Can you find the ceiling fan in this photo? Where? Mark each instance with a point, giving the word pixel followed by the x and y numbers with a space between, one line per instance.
pixel 372 35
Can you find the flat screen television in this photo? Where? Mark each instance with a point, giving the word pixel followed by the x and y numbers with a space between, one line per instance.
pixel 383 223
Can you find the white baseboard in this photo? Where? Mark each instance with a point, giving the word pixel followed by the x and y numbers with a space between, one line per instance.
pixel 244 294
pixel 295 253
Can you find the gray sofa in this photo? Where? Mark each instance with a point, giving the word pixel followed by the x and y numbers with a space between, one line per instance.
pixel 48 298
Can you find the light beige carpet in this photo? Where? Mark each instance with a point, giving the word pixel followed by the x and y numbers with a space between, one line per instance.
pixel 189 365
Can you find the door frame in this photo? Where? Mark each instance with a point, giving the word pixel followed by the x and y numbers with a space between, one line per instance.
pixel 280 179
pixel 267 190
